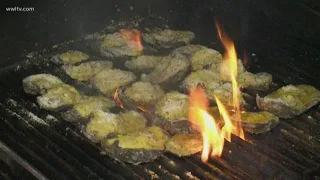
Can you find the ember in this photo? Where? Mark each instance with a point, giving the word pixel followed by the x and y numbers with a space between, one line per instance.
pixel 144 110
pixel 133 37
pixel 116 99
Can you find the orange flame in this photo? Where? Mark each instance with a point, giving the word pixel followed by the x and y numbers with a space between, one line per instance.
pixel 133 37
pixel 117 99
pixel 230 57
pixel 144 110
pixel 201 120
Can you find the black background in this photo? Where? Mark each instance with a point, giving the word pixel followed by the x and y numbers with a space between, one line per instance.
pixel 273 31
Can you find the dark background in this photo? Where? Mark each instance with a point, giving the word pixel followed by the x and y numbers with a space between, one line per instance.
pixel 273 33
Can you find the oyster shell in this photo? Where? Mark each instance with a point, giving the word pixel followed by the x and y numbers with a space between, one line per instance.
pixel 40 83
pixel 168 38
pixel 185 144
pixel 84 71
pixel 108 80
pixel 70 57
pixel 290 100
pixel 137 147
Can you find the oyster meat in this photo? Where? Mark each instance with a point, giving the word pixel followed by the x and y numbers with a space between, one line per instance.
pixel 171 113
pixel 137 147
pixel 186 52
pixel 142 94
pixel 205 58
pixel 184 144
pixel 59 98
pixel 206 78
pixel 70 57
pixel 105 124
pixel 258 122
pixel 84 71
pixel 40 83
pixel 168 73
pixel 168 38
pixel 224 94
pixel 260 81
pixel 119 45
pixel 82 110
pixel 144 63
pixel 108 80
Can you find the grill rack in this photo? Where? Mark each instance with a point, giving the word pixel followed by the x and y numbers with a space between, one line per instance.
pixel 56 149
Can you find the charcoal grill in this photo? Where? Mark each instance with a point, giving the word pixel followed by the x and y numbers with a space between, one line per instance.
pixel 38 144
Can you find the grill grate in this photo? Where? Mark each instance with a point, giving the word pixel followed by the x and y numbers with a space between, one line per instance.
pixel 58 150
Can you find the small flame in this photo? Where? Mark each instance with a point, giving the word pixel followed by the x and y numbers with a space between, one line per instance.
pixel 245 59
pixel 133 37
pixel 230 57
pixel 117 99
pixel 144 110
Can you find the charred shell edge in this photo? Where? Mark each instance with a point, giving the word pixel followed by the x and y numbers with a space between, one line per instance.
pixel 133 156
pixel 73 115
pixel 129 104
pixel 174 81
pixel 174 127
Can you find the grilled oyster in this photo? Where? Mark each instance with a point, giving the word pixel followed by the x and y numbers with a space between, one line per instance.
pixel 168 73
pixel 40 83
pixel 108 80
pixel 259 81
pixel 206 78
pixel 205 58
pixel 171 113
pixel 142 94
pixel 138 147
pixel 168 38
pixel 104 124
pixel 144 63
pixel 84 71
pixel 119 45
pixel 258 122
pixel 224 69
pixel 70 57
pixel 184 144
pixel 58 98
pixel 290 100
pixel 224 94
pixel 186 52
pixel 82 110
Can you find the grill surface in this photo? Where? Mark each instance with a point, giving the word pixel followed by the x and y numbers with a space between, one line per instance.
pixel 56 149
